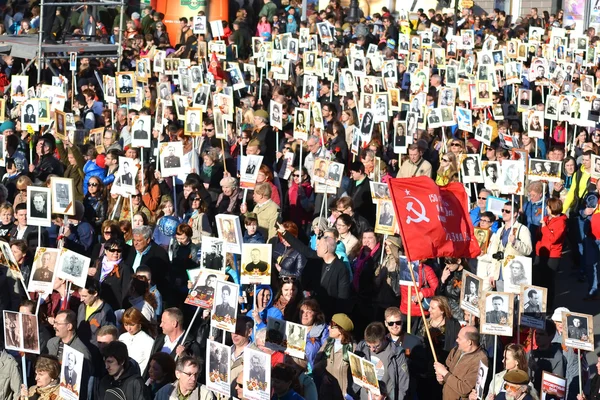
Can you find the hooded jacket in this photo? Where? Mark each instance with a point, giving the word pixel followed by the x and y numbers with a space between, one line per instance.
pixel 315 338
pixel 92 169
pixel 128 386
pixel 553 237
pixel 268 312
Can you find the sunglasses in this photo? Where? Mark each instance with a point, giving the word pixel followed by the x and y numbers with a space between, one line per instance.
pixel 487 221
pixel 445 160
pixel 93 184
pixel 115 250
pixel 296 175
pixel 288 279
pixel 506 211
pixel 482 198
pixel 136 195
pixel 333 325
pixel 456 145
pixel 392 323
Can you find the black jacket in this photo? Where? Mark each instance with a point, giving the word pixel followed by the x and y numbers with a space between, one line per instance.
pixel 361 199
pixel 95 211
pixel 48 165
pixel 128 386
pixel 115 286
pixel 157 259
pixel 191 348
pixel 31 237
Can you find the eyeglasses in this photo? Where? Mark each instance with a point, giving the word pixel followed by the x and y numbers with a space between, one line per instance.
pixel 333 325
pixel 115 250
pixel 392 323
pixel 482 198
pixel 506 211
pixel 445 160
pixel 190 374
pixel 487 221
pixel 92 184
pixel 456 145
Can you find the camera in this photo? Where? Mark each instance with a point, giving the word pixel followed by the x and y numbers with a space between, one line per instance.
pixel 498 256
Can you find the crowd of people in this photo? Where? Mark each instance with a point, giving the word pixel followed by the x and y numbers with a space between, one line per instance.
pixel 335 109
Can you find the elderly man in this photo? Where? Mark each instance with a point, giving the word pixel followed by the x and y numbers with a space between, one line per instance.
pixel 459 375
pixel 147 252
pixel 533 210
pixel 266 210
pixel 264 134
pixel 187 371
pixel 476 212
pixel 415 165
pixel 315 151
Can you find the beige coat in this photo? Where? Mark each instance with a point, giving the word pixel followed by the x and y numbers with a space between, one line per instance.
pixel 409 169
pixel 267 214
pixel 463 371
pixel 335 374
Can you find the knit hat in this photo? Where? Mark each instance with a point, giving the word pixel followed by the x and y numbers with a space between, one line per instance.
pixel 135 15
pixel 343 321
pixel 517 377
pixel 557 316
pixel 7 125
pixel 101 161
pixel 261 114
pixel 394 241
pixel 320 222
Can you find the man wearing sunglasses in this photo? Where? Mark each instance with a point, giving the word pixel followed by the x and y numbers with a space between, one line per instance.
pixel 512 239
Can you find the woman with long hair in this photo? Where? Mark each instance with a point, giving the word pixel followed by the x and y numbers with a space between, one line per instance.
pixel 450 285
pixel 113 273
pixel 448 167
pixel 139 219
pixel 569 167
pixel 198 218
pixel 332 363
pixel 515 357
pixel 313 319
pixel 150 189
pixel 138 336
pixel 287 260
pixel 346 228
pixel 95 203
pixel 265 175
pixel 288 297
pixel 300 198
pixel 387 277
pixel 161 371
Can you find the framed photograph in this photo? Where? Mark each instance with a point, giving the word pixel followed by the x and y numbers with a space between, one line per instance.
pixel 201 97
pixel 553 386
pixel 483 133
pixel 470 293
pixel 18 87
pixel 470 169
pixel 43 110
pixel 256 375
pixel 203 291
pixel 158 64
pixel 496 313
pixel 71 373
pixel 579 329
pixel 230 231
pixel 170 154
pixel 43 270
pixel 249 167
pixel 63 196
pixel 73 267
pixel 301 123
pixel 532 306
pixel 405 277
pixel 516 271
pixel 142 71
pixel 385 222
pixel 142 129
pixel 524 100
pixel 8 258
pixel 481 379
pixel 256 263
pixel 39 206
pixel 110 84
pixel 512 177
pixel 219 367
pixel 29 113
pixel 126 174
pixel 212 254
pixel 125 84
pixel 193 121
pixel 483 238
pixel 60 124
pixel 379 191
pixel 319 171
pixel 542 169
pixel 224 311
pixel 21 332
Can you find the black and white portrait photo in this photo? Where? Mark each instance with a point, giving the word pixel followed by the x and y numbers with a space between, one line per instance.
pixel 516 272
pixel 379 191
pixel 218 358
pixel 170 158
pixel 579 330
pixel 12 331
pixel 256 263
pixel 386 217
pixel 542 169
pixel 296 339
pixel 73 267
pixel 38 206
pixel 164 91
pixel 125 84
pixel 42 271
pixel 496 311
pixel 470 169
pixel 212 254
pixel 249 167
pixel 257 374
pixel 491 174
pixel 31 338
pixel 71 373
pixel 334 174
pixel 62 196
pixel 125 180
pixel 225 306
pixel 513 176
pixel 532 302
pixel 301 123
pixel 229 230
pixel 276 115
pixel 470 293
pixel 142 127
pixel 193 121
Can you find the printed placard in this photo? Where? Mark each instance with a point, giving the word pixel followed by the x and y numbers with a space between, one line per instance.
pixel 496 313
pixel 43 270
pixel 257 375
pixel 532 306
pixel 553 386
pixel 224 311
pixel 470 293
pixel 578 331
pixel 516 271
pixel 256 263
pixel 73 267
pixel 230 231
pixel 219 367
pixel 203 290
pixel 70 373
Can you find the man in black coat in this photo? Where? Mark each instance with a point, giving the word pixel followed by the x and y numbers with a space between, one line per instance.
pixel 359 191
pixel 48 163
pixel 152 255
pixel 122 381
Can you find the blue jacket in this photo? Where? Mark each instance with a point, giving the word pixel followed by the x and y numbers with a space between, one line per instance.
pixel 256 238
pixel 475 215
pixel 315 338
pixel 92 169
pixel 81 239
pixel 268 312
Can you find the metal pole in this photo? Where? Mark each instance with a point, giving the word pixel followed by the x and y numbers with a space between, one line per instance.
pixel 40 34
pixel 120 49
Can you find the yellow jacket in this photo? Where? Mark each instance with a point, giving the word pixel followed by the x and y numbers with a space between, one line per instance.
pixel 584 179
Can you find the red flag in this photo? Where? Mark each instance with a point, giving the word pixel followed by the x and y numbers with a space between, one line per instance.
pixel 434 221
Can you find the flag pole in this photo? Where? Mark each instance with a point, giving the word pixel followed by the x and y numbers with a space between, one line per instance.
pixel 412 276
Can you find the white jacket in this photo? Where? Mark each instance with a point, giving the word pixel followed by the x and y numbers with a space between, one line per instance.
pixel 139 347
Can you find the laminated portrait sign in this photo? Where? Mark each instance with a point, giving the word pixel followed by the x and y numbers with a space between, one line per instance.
pixel 545 170
pixel 256 263
pixel 516 271
pixel 171 154
pixel 224 311
pixel 39 206
pixel 481 378
pixel 71 373
pixel 21 332
pixel 405 276
pixel 364 373
pixel 385 222
pixel 470 169
pixel 482 236
pixel 379 191
pixel 578 331
pixel 532 306
pixel 230 231
pixel 219 367
pixel 43 270
pixel 73 267
pixel 553 386
pixel 124 183
pixel 203 290
pixel 470 293
pixel 249 168
pixel 491 174
pixel 142 131
pixel 63 196
pixel 496 313
pixel 257 375
pixel 8 258
pixel 213 254
pixel 512 177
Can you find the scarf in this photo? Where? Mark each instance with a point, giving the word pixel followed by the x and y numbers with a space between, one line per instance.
pixel 108 268
pixel 346 348
pixel 49 392
pixel 207 171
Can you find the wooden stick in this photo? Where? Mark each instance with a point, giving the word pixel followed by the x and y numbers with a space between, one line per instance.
pixel 494 365
pixel 579 370
pixel 174 196
pixel 24 367
pixel 408 309
pixel 412 275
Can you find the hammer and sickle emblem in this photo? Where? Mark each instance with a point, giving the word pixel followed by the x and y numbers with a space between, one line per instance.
pixel 419 215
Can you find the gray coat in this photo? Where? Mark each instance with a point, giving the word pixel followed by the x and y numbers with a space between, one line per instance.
pixel 10 379
pixel 169 392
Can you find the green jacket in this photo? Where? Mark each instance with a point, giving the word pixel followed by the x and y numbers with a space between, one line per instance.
pixel 148 24
pixel 74 172
pixel 269 10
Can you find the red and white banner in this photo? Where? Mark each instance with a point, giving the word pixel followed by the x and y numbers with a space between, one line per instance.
pixel 434 221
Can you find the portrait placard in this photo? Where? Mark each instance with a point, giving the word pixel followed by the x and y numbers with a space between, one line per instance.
pixel 224 311
pixel 249 167
pixel 39 206
pixel 379 191
pixel 124 182
pixel 470 170
pixel 73 267
pixel 532 306
pixel 63 196
pixel 257 375
pixel 213 256
pixel 516 271
pixel 43 270
pixel 125 84
pixel 578 331
pixel 405 277
pixel 170 154
pixel 335 173
pixel 229 230
pixel 301 123
pixel 8 258
pixel 470 293
pixel 483 238
pixel 553 386
pixel 71 373
pixel 21 332
pixel 481 379
pixel 364 373
pixel 496 313
pixel 203 290
pixel 219 367
pixel 546 170
pixel 512 177
pixel 256 263
pixel 142 131
pixel 385 222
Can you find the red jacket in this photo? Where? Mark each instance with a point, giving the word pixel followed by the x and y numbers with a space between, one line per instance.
pixel 553 236
pixel 432 281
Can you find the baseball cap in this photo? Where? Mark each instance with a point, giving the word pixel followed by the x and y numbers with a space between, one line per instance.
pixel 557 316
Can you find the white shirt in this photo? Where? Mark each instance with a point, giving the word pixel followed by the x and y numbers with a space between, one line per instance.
pixel 169 346
pixel 139 347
